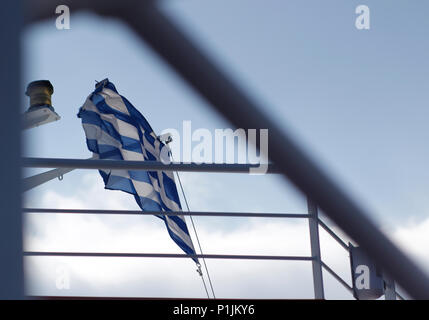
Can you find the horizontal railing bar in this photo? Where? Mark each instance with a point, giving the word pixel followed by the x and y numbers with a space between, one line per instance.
pixel 164 255
pixel 337 277
pixel 333 235
pixel 141 165
pixel 171 213
pixel 40 297
pixel 184 299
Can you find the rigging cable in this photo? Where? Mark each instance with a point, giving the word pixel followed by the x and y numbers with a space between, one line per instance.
pixel 198 240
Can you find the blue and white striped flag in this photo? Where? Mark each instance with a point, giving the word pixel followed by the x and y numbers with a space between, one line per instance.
pixel 115 129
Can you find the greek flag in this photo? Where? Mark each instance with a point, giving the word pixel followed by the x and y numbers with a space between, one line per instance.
pixel 116 130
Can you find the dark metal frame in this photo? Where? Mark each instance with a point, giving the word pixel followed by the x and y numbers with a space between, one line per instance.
pixel 11 264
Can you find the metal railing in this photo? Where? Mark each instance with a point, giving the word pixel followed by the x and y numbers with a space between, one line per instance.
pixel 312 215
pixel 315 257
pixel 206 256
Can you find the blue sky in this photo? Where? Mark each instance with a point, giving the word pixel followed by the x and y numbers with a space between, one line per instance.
pixel 356 100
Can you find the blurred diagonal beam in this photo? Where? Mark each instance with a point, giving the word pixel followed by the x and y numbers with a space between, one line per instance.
pixel 11 269
pixel 184 56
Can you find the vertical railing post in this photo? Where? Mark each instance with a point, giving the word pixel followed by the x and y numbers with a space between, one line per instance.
pixel 315 250
pixel 390 291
